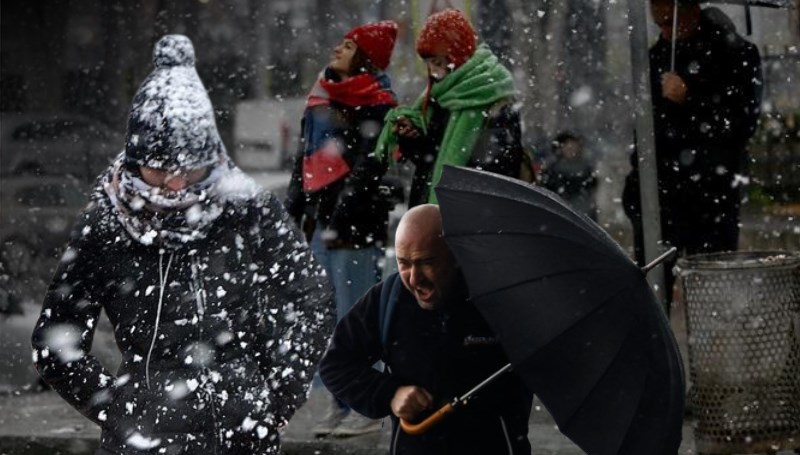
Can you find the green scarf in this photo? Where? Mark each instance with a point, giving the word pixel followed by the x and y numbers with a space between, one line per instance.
pixel 468 92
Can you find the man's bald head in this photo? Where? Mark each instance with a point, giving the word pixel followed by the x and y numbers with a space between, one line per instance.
pixel 421 221
pixel 426 266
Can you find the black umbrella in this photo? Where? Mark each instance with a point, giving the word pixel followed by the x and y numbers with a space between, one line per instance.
pixel 748 17
pixel 575 315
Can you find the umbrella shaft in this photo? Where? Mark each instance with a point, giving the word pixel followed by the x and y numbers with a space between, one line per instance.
pixel 485 382
pixel 674 34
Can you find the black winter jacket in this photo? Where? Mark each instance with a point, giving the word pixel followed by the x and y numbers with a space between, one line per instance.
pixel 498 148
pixel 219 338
pixel 575 181
pixel 446 352
pixel 357 206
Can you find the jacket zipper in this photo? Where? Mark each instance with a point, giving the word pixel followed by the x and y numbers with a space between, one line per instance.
pixel 200 305
pixel 163 279
pixel 199 298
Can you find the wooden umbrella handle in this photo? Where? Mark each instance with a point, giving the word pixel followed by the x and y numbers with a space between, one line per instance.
pixel 433 419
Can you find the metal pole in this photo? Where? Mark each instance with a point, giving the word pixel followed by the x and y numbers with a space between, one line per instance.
pixel 674 35
pixel 645 143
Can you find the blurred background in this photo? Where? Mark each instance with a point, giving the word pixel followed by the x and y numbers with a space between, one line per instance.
pixel 69 69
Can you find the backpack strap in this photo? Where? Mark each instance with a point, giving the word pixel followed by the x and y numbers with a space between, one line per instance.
pixel 390 293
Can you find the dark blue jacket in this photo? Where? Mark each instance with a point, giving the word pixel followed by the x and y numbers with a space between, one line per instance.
pixel 446 352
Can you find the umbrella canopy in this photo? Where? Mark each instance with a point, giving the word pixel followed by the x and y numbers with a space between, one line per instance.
pixel 747 4
pixel 575 315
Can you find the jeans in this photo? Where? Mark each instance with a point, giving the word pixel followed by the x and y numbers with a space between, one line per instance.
pixel 351 271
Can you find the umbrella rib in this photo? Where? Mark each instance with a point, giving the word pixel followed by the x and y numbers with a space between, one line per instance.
pixel 600 234
pixel 630 418
pixel 538 278
pixel 608 367
pixel 592 245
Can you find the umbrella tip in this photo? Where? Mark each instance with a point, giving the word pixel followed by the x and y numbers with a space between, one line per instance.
pixel 659 260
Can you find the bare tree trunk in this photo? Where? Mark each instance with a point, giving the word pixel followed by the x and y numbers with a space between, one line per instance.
pixel 259 51
pixel 493 27
pixel 794 22
pixel 46 46
pixel 545 36
pixel 553 72
pixel 115 26
pixel 584 72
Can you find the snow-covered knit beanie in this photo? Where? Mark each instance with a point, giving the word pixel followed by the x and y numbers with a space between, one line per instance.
pixel 447 33
pixel 171 124
pixel 376 41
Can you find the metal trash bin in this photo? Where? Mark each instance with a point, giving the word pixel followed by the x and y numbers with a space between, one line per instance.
pixel 743 324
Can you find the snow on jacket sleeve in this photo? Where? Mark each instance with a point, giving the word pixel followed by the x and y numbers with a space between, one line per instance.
pixel 346 369
pixel 62 337
pixel 725 103
pixel 305 314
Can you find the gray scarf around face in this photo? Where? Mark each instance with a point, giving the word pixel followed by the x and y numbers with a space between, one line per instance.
pixel 170 219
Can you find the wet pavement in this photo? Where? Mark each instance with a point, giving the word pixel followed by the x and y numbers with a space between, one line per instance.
pixel 41 423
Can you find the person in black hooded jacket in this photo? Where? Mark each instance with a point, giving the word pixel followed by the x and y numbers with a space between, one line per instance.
pixel 705 110
pixel 218 307
pixel 438 347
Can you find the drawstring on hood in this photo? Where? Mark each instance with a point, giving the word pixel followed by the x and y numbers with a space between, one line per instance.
pixel 163 276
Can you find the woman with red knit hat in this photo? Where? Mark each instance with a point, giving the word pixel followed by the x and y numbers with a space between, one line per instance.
pixel 334 193
pixel 465 117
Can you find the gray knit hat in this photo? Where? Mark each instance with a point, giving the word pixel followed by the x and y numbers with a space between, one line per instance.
pixel 171 124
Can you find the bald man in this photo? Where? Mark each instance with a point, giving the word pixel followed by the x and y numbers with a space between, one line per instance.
pixel 436 346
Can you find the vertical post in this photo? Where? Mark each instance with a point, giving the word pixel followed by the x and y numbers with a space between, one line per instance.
pixel 645 143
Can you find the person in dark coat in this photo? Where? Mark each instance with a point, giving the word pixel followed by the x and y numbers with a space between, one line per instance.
pixel 335 193
pixel 438 347
pixel 467 116
pixel 704 110
pixel 334 190
pixel 218 307
pixel 571 175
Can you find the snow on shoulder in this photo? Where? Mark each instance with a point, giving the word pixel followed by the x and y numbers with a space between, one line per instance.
pixel 236 185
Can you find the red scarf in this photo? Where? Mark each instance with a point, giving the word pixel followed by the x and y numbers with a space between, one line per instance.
pixel 361 90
